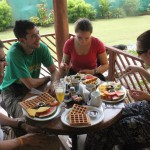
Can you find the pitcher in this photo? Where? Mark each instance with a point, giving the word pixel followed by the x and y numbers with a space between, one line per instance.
pixel 95 99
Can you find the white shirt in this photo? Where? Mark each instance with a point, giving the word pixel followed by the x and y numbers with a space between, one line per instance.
pixel 1 134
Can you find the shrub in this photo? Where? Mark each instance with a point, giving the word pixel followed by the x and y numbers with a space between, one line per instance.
pixel 5 15
pixel 79 9
pixel 35 20
pixel 148 8
pixel 105 8
pixel 117 13
pixel 131 7
pixel 43 18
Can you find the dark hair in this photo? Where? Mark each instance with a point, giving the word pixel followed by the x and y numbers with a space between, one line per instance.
pixel 21 27
pixel 83 24
pixel 144 41
pixel 1 44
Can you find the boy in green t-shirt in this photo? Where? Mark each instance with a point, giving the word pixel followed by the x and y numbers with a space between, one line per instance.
pixel 24 59
pixel 34 139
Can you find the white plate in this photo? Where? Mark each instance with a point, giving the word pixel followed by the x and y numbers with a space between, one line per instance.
pixel 82 76
pixel 67 79
pixel 41 119
pixel 115 101
pixel 97 82
pixel 94 120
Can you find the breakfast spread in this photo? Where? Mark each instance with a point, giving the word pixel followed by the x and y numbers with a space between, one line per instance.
pixel 41 106
pixel 92 80
pixel 45 98
pixel 42 112
pixel 89 79
pixel 111 91
pixel 78 109
pixel 84 78
pixel 79 119
pixel 78 116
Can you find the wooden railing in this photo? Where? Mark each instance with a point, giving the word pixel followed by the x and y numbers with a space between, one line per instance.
pixel 118 60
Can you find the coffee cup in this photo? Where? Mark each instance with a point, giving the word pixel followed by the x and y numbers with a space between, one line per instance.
pixel 95 99
pixel 91 87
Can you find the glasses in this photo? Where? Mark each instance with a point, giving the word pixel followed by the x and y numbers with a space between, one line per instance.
pixel 141 52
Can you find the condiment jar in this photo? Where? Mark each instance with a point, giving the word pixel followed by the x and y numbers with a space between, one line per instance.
pixel 72 91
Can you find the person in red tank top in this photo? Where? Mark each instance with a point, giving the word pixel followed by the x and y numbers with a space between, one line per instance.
pixel 82 53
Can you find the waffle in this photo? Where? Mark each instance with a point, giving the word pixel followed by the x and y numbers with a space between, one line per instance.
pixel 79 119
pixel 90 81
pixel 77 109
pixel 33 103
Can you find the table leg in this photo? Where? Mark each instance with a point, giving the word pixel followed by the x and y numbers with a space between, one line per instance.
pixel 74 142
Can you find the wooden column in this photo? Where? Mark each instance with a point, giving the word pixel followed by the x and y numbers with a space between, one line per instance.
pixel 111 70
pixel 61 25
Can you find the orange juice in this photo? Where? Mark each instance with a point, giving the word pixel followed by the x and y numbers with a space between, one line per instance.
pixel 60 93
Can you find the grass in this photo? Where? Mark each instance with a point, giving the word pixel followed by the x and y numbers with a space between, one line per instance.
pixel 110 31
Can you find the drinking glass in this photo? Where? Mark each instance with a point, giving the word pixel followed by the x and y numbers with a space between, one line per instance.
pixel 60 90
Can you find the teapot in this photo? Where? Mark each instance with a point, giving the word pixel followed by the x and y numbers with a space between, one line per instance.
pixel 95 99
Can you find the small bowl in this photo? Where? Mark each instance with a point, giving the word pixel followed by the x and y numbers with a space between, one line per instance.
pixel 92 113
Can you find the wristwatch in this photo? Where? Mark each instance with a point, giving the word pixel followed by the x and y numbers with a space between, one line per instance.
pixel 95 71
pixel 20 124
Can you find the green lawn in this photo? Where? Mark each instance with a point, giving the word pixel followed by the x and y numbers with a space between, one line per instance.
pixel 110 31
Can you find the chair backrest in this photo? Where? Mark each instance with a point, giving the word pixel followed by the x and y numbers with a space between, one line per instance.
pixel 118 61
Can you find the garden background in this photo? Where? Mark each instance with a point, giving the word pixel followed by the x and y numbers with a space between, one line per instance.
pixel 114 21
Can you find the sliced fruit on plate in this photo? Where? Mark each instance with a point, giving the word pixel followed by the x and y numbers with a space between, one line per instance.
pixel 51 111
pixel 109 93
pixel 89 76
pixel 90 81
pixel 119 93
pixel 42 111
pixel 54 103
pixel 115 97
pixel 32 112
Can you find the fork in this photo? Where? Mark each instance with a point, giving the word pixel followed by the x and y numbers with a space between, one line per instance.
pixel 112 106
pixel 122 76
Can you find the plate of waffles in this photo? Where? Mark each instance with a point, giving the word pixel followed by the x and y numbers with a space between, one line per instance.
pixel 83 78
pixel 77 76
pixel 82 116
pixel 112 92
pixel 40 108
pixel 90 79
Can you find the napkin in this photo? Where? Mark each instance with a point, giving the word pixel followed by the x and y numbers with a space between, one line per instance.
pixel 84 92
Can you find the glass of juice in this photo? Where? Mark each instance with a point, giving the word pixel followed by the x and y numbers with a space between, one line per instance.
pixel 60 91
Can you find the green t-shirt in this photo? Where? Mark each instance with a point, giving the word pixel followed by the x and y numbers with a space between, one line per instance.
pixel 21 65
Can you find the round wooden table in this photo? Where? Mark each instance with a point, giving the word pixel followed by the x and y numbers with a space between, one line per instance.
pixel 55 126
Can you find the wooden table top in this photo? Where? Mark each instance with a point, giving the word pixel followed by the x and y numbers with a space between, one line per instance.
pixel 55 126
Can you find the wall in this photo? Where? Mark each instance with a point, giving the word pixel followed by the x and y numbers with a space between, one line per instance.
pixel 24 9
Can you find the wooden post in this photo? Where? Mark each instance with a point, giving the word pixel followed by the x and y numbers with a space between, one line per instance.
pixel 61 26
pixel 111 70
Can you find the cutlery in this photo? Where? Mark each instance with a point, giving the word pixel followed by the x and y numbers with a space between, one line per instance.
pixel 122 76
pixel 62 109
pixel 111 106
pixel 35 91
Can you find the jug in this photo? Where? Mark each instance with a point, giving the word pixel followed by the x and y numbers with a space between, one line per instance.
pixel 95 99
